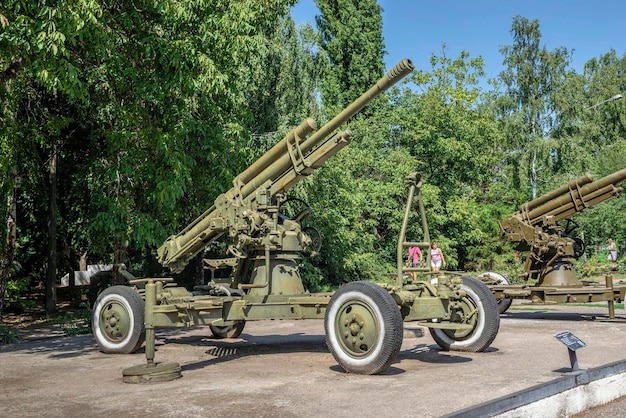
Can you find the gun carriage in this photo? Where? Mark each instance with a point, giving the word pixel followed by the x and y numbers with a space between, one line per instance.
pixel 363 321
pixel 545 231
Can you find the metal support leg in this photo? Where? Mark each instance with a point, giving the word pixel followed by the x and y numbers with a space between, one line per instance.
pixel 151 371
pixel 572 359
pixel 609 283
pixel 149 321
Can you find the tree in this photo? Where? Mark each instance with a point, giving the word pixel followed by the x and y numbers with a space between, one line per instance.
pixel 281 80
pixel 532 78
pixel 34 51
pixel 458 147
pixel 8 216
pixel 352 36
pixel 342 193
pixel 604 221
pixel 604 122
pixel 281 84
pixel 590 129
pixel 149 90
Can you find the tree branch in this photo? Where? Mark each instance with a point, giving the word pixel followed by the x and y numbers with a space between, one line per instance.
pixel 14 68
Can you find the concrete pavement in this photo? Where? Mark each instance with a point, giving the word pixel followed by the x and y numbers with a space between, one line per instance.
pixel 283 368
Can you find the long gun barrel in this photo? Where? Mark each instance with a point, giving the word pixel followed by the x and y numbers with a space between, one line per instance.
pixel 562 203
pixel 277 161
pixel 279 169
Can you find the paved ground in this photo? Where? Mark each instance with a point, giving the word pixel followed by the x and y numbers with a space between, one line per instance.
pixel 283 369
pixel 614 409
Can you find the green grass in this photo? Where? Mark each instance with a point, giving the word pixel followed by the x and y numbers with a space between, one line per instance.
pixel 77 323
pixel 546 307
pixel 594 305
pixel 542 308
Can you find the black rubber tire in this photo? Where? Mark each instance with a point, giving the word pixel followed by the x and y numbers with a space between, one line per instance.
pixel 118 320
pixel 228 331
pixel 364 328
pixel 498 279
pixel 481 311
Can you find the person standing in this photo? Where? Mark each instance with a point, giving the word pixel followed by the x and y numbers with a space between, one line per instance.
pixel 436 257
pixel 612 249
pixel 415 257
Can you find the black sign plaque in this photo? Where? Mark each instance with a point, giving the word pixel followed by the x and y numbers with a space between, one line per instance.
pixel 570 340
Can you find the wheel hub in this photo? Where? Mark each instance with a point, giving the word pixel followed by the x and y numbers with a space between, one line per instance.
pixel 115 321
pixel 358 330
pixel 355 327
pixel 466 314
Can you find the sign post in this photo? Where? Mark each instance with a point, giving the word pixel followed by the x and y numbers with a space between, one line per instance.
pixel 572 343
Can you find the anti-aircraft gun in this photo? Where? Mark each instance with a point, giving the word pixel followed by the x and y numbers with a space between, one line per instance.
pixel 544 230
pixel 363 321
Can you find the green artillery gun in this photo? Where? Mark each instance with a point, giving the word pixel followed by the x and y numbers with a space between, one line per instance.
pixel 260 278
pixel 544 230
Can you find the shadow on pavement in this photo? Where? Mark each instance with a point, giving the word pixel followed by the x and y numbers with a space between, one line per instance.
pixel 554 315
pixel 58 347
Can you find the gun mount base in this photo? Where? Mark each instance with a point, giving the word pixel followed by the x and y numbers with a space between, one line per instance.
pixel 550 295
pixel 152 373
pixel 560 273
pixel 280 276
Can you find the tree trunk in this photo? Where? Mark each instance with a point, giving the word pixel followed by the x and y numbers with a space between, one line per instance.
pixel 534 177
pixel 82 263
pixel 119 257
pixel 7 261
pixel 51 271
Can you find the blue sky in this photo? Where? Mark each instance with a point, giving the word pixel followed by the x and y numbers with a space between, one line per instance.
pixel 416 29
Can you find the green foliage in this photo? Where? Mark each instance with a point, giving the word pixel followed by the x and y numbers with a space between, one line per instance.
pixel 154 107
pixel 355 197
pixel 313 278
pixel 281 81
pixel 534 77
pixel 352 35
pixel 604 123
pixel 458 147
pixel 141 100
pixel 17 288
pixel 16 293
pixel 39 39
pixel 358 202
pixel 186 117
pixel 9 335
pixel 76 324
pixel 602 222
pixel 443 126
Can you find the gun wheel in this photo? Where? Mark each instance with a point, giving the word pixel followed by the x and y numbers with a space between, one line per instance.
pixel 228 331
pixel 492 278
pixel 363 328
pixel 316 241
pixel 118 320
pixel 478 309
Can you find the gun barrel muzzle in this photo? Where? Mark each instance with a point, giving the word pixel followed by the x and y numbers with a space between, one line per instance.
pixel 575 197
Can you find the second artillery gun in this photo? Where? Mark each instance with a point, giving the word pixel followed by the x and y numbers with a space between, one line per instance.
pixel 545 232
pixel 363 321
